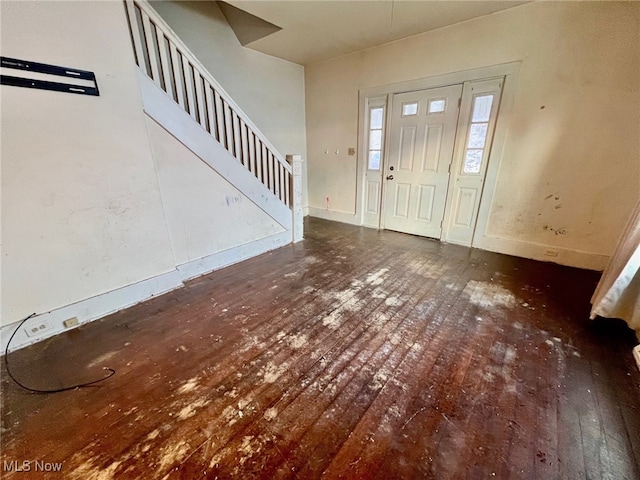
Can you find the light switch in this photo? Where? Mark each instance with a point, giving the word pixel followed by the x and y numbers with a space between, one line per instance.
pixel 352 151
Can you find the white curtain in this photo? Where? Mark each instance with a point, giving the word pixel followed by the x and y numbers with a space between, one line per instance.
pixel 618 293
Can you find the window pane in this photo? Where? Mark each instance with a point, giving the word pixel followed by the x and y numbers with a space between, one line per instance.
pixel 374 160
pixel 376 118
pixel 409 109
pixel 482 108
pixel 472 161
pixel 436 106
pixel 375 139
pixel 477 135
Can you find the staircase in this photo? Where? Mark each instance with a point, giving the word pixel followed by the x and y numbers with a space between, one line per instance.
pixel 183 97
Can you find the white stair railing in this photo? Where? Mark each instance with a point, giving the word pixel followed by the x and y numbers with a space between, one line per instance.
pixel 166 60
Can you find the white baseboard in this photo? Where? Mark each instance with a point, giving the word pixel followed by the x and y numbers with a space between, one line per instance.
pixel 546 253
pixel 218 260
pixel 90 309
pixel 333 215
pixel 99 306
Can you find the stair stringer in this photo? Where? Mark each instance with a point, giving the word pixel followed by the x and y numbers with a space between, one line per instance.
pixel 181 125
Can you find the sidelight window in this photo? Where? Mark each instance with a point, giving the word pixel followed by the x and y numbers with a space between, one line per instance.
pixel 376 122
pixel 477 134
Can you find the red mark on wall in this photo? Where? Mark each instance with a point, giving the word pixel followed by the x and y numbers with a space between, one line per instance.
pixel 327 200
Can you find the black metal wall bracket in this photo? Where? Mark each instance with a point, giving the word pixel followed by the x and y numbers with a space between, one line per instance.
pixel 43 68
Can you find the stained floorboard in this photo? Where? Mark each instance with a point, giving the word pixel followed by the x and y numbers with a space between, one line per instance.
pixel 354 354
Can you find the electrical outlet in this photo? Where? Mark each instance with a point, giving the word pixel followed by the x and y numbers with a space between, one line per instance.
pixel 551 253
pixel 36 329
pixel 70 322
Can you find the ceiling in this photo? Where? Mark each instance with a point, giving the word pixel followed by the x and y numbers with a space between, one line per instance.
pixel 315 30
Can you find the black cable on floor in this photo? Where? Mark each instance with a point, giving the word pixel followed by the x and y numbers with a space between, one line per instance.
pixel 36 390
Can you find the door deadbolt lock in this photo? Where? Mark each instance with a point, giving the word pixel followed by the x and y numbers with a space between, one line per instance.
pixel 391 168
pixel 389 177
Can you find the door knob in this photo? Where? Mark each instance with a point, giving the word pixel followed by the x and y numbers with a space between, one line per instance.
pixel 389 177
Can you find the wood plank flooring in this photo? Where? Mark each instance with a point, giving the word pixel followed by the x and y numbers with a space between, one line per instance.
pixel 354 354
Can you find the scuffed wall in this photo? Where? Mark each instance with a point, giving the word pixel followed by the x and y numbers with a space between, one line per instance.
pixel 269 90
pixel 101 207
pixel 570 170
pixel 81 207
pixel 205 213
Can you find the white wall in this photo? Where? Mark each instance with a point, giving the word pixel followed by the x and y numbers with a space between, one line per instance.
pixel 101 207
pixel 573 130
pixel 205 213
pixel 81 208
pixel 269 90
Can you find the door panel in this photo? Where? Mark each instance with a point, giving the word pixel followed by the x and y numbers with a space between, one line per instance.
pixel 373 197
pixel 432 150
pixel 416 175
pixel 401 200
pixel 425 209
pixel 407 148
pixel 465 206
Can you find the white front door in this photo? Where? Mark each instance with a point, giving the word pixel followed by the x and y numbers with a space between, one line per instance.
pixel 416 174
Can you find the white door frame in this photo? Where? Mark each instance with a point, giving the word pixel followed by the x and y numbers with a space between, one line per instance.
pixel 507 70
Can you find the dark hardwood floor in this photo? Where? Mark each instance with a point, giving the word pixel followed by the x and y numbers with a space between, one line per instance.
pixel 354 354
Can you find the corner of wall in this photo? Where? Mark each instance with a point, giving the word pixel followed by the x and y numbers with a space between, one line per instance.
pixel 333 215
